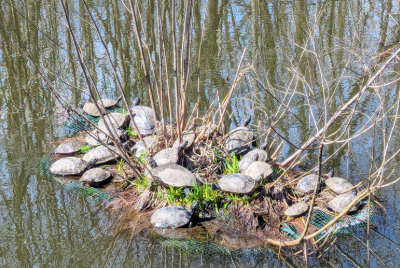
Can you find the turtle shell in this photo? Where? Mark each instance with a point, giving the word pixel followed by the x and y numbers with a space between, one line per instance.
pixel 340 202
pixel 248 158
pixel 69 147
pixel 237 183
pixel 166 156
pixel 102 153
pixel 68 166
pixel 174 175
pixel 91 109
pixel 296 210
pixel 138 149
pixel 144 119
pixel 338 185
pixel 188 136
pixel 95 135
pixel 170 217
pixel 255 169
pixel 239 140
pixel 307 184
pixel 117 120
pixel 108 103
pixel 95 177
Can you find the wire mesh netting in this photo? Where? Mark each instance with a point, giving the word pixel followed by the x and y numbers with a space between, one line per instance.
pixel 77 123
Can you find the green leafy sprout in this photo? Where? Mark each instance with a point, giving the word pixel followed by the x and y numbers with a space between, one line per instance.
pixel 231 164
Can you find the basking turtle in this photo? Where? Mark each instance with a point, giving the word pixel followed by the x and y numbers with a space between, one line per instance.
pixel 96 177
pixel 172 217
pixel 173 175
pixel 239 140
pixel 188 136
pixel 69 147
pixel 91 109
pixel 338 185
pixel 237 183
pixel 117 121
pixel 296 210
pixel 109 103
pixel 340 202
pixel 169 155
pixel 307 184
pixel 143 117
pixel 71 166
pixel 252 156
pixel 94 137
pixel 138 148
pixel 259 170
pixel 102 153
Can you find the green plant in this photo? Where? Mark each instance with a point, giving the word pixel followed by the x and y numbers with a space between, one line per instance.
pixel 131 133
pixel 141 183
pixel 175 195
pixel 231 164
pixel 119 166
pixel 83 149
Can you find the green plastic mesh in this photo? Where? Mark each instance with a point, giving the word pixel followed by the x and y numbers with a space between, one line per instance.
pixel 72 185
pixel 346 225
pixel 77 123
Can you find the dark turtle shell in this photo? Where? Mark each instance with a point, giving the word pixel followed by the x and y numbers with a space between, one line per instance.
pixel 138 148
pixel 307 184
pixel 108 103
pixel 188 136
pixel 167 156
pixel 170 217
pixel 96 177
pixel 340 202
pixel 237 183
pixel 91 109
pixel 144 119
pixel 102 153
pixel 249 158
pixel 239 140
pixel 117 120
pixel 258 170
pixel 69 147
pixel 174 175
pixel 296 210
pixel 94 136
pixel 69 166
pixel 338 185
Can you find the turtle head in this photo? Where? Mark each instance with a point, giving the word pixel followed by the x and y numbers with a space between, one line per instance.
pixel 182 146
pixel 255 157
pixel 120 98
pixel 247 121
pixel 150 160
pixel 330 174
pixel 91 163
pixel 264 146
pixel 194 206
pixel 136 101
pixel 124 135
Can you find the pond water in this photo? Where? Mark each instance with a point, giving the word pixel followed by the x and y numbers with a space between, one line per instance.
pixel 43 225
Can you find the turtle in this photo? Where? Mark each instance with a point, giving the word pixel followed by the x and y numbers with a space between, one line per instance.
pixel 143 117
pixel 252 156
pixel 340 202
pixel 109 103
pixel 188 136
pixel 91 109
pixel 138 148
pixel 239 140
pixel 169 155
pixel 338 185
pixel 69 147
pixel 117 121
pixel 237 183
pixel 94 137
pixel 172 216
pixel 307 184
pixel 102 153
pixel 296 210
pixel 71 166
pixel 173 175
pixel 258 169
pixel 96 177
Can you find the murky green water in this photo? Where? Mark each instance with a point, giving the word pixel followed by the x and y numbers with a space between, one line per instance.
pixel 43 226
